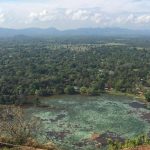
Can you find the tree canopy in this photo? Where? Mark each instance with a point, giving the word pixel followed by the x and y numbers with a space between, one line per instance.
pixel 45 67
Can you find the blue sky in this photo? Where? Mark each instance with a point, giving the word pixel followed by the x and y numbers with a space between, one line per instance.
pixel 66 14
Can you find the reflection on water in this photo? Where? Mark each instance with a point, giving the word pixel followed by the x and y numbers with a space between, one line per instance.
pixel 86 123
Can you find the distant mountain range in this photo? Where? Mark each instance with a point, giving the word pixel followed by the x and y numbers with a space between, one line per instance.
pixel 4 32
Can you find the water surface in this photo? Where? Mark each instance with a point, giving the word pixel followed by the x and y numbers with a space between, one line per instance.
pixel 81 122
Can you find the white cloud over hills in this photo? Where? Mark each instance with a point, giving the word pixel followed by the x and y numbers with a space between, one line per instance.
pixel 65 14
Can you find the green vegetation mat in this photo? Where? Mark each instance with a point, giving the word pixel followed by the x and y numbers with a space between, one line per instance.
pixel 72 121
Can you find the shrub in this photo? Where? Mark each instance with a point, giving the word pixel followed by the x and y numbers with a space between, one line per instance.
pixel 147 96
pixel 15 125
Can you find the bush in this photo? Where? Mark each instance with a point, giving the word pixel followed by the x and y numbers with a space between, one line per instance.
pixel 16 126
pixel 129 143
pixel 147 96
pixel 69 90
pixel 83 90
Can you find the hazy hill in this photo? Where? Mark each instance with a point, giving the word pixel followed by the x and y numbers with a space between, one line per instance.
pixel 4 32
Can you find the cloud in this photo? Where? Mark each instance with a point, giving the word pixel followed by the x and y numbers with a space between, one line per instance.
pixel 144 19
pixel 41 16
pixel 100 18
pixel 79 15
pixel 134 19
pixel 70 14
pixel 91 15
pixel 129 19
pixel 2 17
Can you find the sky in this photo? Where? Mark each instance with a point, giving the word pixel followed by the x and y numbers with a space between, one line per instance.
pixel 70 14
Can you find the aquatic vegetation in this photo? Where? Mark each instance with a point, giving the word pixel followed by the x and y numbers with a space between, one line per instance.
pixel 79 117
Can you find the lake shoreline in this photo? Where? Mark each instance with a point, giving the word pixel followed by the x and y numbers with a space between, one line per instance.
pixel 140 98
pixel 31 99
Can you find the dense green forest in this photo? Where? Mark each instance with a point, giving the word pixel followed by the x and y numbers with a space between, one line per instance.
pixel 89 66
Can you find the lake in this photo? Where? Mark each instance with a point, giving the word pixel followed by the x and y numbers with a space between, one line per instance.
pixel 82 122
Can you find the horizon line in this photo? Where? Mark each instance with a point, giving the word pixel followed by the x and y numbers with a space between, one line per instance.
pixel 137 29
